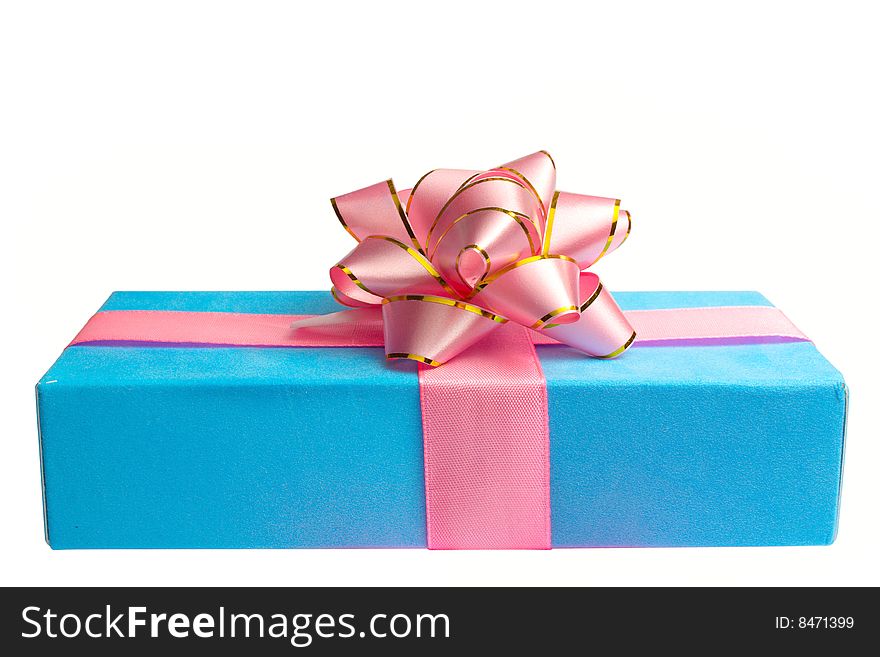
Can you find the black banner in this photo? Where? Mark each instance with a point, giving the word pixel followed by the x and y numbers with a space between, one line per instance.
pixel 431 621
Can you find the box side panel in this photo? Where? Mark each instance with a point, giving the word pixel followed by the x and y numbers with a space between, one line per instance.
pixel 231 448
pixel 708 446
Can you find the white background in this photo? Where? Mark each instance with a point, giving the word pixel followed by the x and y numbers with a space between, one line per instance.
pixel 192 146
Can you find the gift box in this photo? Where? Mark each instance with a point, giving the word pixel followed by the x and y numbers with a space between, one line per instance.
pixel 152 444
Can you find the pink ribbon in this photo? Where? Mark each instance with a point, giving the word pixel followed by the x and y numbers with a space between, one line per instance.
pixel 364 328
pixel 463 252
pixel 485 425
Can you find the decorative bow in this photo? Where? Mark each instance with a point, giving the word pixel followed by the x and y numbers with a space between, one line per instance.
pixel 463 252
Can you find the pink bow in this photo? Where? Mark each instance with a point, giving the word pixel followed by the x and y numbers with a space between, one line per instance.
pixel 463 252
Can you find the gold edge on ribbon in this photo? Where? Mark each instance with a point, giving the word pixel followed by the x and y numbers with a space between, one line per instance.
pixel 403 218
pixel 421 359
pixel 610 239
pixel 335 293
pixel 519 263
pixel 551 215
pixel 586 304
pixel 415 187
pixel 341 220
pixel 355 280
pixel 420 258
pixel 629 225
pixel 352 302
pixel 461 305
pixel 621 348
pixel 552 161
pixel 528 183
pixel 466 185
pixel 468 179
pixel 551 315
pixel 518 217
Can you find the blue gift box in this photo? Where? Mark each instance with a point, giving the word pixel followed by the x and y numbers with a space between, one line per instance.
pixel 215 447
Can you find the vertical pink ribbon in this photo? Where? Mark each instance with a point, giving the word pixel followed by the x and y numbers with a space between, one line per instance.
pixel 486 433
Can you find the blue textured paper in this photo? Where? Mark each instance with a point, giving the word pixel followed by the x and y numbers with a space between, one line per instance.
pixel 249 447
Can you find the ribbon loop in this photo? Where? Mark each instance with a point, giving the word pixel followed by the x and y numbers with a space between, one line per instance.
pixel 602 330
pixel 586 227
pixel 374 210
pixel 538 172
pixel 429 195
pixel 535 291
pixel 382 266
pixel 433 330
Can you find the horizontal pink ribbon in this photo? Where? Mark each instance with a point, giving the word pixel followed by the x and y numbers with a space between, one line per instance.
pixel 364 328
